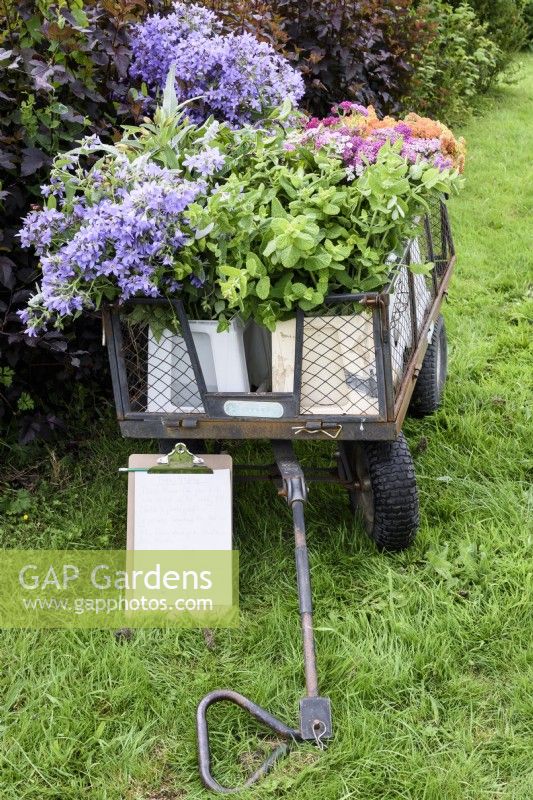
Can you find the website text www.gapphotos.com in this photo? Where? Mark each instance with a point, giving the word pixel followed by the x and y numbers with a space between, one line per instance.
pixel 108 605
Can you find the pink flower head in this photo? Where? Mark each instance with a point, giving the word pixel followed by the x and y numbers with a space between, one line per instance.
pixel 357 108
pixel 354 108
pixel 314 122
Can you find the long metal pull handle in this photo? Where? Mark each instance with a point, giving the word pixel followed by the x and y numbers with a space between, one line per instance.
pixel 315 711
pixel 261 715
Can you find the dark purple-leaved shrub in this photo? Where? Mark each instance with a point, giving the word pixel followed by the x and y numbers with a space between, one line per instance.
pixel 63 73
pixel 362 51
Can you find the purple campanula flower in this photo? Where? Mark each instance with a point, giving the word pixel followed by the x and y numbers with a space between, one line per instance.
pixel 92 142
pixel 238 77
pixel 153 41
pixel 196 281
pixel 39 227
pixel 123 239
pixel 206 162
pixel 173 286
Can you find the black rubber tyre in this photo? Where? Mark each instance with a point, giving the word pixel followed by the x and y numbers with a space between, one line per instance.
pixel 387 497
pixel 429 387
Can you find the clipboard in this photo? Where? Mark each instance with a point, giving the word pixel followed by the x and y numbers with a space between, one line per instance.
pixel 175 505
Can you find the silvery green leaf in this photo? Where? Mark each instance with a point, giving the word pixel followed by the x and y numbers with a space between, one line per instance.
pixel 205 231
pixel 170 98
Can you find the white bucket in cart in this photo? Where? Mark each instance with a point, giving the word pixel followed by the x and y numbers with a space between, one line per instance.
pixel 171 383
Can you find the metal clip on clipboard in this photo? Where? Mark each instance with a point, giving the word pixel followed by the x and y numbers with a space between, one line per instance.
pixel 179 460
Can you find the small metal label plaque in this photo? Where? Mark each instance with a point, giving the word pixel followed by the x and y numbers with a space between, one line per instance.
pixel 253 408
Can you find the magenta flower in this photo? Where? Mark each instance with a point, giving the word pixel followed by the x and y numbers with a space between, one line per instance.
pixel 354 108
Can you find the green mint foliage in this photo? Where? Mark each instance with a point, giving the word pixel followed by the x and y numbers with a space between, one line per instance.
pixel 287 228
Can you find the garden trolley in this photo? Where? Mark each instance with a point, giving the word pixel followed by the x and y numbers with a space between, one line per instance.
pixel 349 374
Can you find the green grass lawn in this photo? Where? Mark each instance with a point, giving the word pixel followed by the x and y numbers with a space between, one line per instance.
pixel 427 656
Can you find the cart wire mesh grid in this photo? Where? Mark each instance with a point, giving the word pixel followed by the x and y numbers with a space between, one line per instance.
pixel 159 370
pixel 339 371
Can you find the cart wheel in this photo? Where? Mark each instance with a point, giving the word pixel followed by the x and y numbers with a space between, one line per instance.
pixel 387 498
pixel 427 394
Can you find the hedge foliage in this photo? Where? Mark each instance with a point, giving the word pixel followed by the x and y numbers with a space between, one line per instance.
pixel 458 63
pixel 506 23
pixel 64 72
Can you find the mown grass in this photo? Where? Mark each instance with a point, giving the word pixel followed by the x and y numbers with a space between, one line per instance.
pixel 426 656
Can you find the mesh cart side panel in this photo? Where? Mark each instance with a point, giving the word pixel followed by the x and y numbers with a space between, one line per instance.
pixel 159 372
pixel 339 373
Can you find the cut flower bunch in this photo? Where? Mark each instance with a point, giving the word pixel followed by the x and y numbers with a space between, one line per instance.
pixel 356 135
pixel 251 222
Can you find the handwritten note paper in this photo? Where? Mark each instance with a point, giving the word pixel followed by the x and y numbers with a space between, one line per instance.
pixel 181 511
